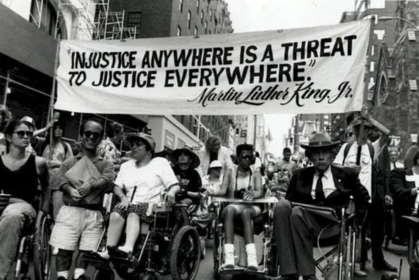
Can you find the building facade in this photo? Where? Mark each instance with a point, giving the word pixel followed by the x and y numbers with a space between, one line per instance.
pixel 27 59
pixel 395 99
pixel 384 32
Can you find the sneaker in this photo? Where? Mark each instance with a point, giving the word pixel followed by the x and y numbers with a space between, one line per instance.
pixel 228 256
pixel 252 261
pixel 358 271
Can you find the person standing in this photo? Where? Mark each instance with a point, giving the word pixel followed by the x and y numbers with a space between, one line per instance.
pixel 286 160
pixel 394 158
pixel 79 222
pixel 370 177
pixel 20 174
pixel 55 154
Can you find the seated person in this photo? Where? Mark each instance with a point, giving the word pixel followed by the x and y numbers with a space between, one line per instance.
pixel 245 185
pixel 213 181
pixel 20 175
pixel 184 163
pixel 323 184
pixel 404 185
pixel 143 178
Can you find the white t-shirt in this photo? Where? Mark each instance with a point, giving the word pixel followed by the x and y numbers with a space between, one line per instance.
pixel 365 175
pixel 151 180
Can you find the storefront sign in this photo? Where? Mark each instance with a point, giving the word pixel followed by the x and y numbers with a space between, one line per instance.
pixel 169 140
pixel 298 71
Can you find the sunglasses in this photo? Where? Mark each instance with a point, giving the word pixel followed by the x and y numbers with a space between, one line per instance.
pixel 22 134
pixel 89 134
pixel 248 157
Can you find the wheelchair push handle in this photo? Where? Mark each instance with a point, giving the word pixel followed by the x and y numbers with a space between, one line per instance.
pixel 4 200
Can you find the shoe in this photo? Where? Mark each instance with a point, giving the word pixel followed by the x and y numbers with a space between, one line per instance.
pixel 228 256
pixel 82 277
pixel 287 277
pixel 252 260
pixel 384 266
pixel 358 271
pixel 310 277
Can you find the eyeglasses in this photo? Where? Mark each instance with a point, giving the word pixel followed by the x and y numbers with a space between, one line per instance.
pixel 22 133
pixel 89 134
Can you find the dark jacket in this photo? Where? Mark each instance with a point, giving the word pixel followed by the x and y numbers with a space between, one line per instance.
pixel 401 189
pixel 346 182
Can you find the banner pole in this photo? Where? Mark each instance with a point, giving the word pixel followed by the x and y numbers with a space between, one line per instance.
pixel 365 99
pixel 51 103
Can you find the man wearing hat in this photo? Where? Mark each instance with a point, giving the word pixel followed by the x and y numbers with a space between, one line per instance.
pixel 184 163
pixel 372 175
pixel 296 227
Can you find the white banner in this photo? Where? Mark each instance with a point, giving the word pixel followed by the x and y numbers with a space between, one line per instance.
pixel 298 71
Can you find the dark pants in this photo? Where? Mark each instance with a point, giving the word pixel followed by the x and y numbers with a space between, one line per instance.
pixel 376 221
pixel 295 229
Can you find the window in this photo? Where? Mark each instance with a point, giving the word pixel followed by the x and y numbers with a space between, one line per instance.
pixel 209 31
pixel 372 66
pixel 179 31
pixel 180 5
pixel 189 20
pixel 206 27
pixel 210 14
pixel 202 17
pixel 197 6
pixel 134 19
pixel 196 31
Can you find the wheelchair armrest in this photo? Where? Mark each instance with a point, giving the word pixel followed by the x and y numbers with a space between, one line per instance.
pixel 413 221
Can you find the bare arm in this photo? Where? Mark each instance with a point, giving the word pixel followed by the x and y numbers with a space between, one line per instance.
pixel 385 132
pixel 43 173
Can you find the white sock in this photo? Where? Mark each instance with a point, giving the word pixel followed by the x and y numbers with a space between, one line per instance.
pixel 79 272
pixel 63 274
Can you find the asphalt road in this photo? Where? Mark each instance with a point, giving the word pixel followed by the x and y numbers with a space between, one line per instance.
pixel 393 256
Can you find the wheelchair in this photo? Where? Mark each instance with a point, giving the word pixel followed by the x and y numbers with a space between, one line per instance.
pixel 168 246
pixel 263 226
pixel 413 250
pixel 34 249
pixel 342 242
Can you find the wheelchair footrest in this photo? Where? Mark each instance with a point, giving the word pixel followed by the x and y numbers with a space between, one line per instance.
pixel 239 269
pixel 95 260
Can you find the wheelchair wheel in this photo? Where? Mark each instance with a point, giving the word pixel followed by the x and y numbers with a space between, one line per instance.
pixel 185 254
pixel 103 274
pixel 41 250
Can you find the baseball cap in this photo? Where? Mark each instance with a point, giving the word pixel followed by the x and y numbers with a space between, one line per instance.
pixel 215 164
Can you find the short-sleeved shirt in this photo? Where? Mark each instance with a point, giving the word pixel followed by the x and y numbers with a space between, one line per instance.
pixel 365 175
pixel 189 179
pixel 105 167
pixel 147 181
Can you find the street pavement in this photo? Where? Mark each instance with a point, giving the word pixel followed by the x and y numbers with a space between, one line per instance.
pixel 393 256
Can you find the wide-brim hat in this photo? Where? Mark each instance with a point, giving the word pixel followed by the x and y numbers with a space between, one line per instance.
pixel 358 120
pixel 142 136
pixel 194 157
pixel 320 141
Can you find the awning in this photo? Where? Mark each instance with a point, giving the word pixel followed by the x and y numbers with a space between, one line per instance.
pixel 24 42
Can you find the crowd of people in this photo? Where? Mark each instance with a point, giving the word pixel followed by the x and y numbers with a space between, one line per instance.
pixel 73 178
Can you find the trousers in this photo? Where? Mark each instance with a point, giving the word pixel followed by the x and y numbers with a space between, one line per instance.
pixel 17 216
pixel 295 230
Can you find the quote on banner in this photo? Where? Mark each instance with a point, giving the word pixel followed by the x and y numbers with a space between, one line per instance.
pixel 314 70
